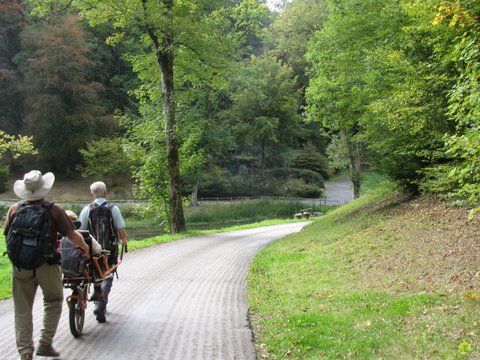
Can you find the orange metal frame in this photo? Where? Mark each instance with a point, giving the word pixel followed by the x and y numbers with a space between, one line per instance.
pixel 109 269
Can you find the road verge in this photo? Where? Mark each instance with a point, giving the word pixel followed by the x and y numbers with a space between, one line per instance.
pixel 385 276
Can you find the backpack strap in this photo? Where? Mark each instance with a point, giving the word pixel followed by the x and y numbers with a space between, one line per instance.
pixel 47 205
pixel 92 206
pixel 106 204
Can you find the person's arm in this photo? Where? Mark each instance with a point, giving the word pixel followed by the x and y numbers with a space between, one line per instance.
pixel 84 218
pixel 119 225
pixel 122 235
pixel 6 225
pixel 77 239
pixel 96 247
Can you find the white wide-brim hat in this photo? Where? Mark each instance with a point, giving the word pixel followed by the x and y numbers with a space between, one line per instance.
pixel 34 185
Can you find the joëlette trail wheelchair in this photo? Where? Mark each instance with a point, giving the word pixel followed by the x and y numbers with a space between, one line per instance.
pixel 79 274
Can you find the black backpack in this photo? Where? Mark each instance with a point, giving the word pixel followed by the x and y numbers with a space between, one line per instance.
pixel 29 236
pixel 101 226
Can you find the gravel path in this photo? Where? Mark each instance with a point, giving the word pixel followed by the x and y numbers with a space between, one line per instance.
pixel 182 300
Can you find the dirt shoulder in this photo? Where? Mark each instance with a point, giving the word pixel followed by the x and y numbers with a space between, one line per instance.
pixel 423 245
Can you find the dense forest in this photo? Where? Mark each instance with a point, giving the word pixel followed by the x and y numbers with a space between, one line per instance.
pixel 231 98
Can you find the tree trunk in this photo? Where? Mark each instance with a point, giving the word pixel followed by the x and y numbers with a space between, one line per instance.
pixel 194 201
pixel 165 60
pixel 354 163
pixel 262 160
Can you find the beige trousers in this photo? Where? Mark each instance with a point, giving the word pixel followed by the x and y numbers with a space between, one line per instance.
pixel 25 284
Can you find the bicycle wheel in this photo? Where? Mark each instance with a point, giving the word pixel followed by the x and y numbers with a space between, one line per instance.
pixel 76 314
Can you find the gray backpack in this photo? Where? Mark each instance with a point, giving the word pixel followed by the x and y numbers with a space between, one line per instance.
pixel 73 261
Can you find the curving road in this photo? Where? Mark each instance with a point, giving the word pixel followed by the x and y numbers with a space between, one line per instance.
pixel 181 300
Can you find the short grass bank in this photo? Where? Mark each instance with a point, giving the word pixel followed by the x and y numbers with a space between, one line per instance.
pixel 6 267
pixel 383 277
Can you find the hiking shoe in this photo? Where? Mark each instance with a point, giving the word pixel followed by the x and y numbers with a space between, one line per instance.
pixel 27 356
pixel 100 315
pixel 47 350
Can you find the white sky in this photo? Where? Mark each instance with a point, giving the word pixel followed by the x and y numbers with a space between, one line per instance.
pixel 271 4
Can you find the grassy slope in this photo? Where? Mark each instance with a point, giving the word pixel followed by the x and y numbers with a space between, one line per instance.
pixel 373 279
pixel 5 266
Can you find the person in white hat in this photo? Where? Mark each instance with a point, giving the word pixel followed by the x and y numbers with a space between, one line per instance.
pixel 46 270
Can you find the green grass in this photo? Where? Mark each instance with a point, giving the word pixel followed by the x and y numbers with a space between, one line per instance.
pixel 308 300
pixel 6 268
pixel 5 271
pixel 372 180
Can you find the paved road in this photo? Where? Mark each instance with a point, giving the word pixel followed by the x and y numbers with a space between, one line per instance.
pixel 339 191
pixel 182 300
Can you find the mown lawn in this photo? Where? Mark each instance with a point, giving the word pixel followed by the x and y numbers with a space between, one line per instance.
pixel 322 294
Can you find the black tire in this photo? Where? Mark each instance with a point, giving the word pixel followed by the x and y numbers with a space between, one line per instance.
pixel 76 317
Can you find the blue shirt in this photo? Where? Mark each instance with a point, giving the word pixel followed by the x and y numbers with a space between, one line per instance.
pixel 118 221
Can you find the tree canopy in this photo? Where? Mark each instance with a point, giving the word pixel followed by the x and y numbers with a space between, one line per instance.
pixel 231 98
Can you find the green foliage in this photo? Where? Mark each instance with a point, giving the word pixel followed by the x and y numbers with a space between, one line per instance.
pixel 292 30
pixel 145 147
pixel 264 111
pixel 307 175
pixel 106 160
pixel 11 148
pixel 4 174
pixel 11 19
pixel 61 104
pixel 299 188
pixel 311 159
pixel 406 125
pixel 344 78
pixel 460 177
pixel 337 153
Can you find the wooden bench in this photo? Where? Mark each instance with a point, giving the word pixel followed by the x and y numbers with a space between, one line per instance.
pixel 303 214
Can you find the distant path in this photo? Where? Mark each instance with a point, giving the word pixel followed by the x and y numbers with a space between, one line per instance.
pixel 181 300
pixel 339 191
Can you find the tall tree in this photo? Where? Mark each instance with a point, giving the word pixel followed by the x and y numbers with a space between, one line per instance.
pixel 264 111
pixel 61 104
pixel 11 24
pixel 342 67
pixel 291 32
pixel 163 31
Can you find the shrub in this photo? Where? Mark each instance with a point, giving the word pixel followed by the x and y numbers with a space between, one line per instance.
pixel 298 188
pixel 105 159
pixel 310 158
pixel 307 175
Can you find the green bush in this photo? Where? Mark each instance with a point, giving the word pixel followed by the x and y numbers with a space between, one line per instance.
pixel 308 191
pixel 106 160
pixel 298 188
pixel 307 175
pixel 303 183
